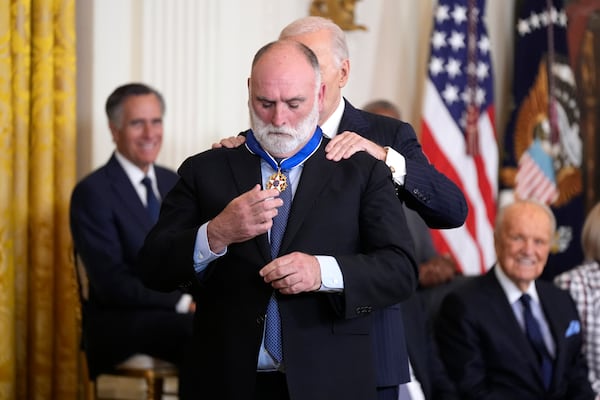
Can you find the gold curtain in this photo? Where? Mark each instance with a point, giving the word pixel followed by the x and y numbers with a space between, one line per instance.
pixel 38 298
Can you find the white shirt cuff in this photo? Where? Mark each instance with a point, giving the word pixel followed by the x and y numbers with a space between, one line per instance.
pixel 397 164
pixel 183 305
pixel 202 253
pixel 332 279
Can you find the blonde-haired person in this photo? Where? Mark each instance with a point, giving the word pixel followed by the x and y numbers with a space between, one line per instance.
pixel 583 282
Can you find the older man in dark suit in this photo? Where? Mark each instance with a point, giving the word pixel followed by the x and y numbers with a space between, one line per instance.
pixel 424 189
pixel 508 335
pixel 344 252
pixel 112 210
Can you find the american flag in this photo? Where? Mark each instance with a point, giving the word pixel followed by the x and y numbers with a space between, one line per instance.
pixel 458 133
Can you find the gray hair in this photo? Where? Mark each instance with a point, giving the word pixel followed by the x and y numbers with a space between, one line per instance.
pixel 114 103
pixel 502 212
pixel 311 24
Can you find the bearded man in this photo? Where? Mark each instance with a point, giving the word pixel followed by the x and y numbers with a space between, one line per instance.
pixel 283 303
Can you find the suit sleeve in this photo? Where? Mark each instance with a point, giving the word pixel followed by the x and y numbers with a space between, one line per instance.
pixel 96 236
pixel 459 343
pixel 385 271
pixel 171 241
pixel 426 190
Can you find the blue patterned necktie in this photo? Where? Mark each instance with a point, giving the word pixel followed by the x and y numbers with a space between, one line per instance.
pixel 273 321
pixel 152 203
pixel 534 334
pixel 272 340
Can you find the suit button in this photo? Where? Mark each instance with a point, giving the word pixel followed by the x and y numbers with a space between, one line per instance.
pixel 260 319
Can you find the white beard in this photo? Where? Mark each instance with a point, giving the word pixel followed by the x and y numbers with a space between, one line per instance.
pixel 278 141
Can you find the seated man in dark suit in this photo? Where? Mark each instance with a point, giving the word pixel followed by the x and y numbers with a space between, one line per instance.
pixel 507 334
pixel 112 210
pixel 344 253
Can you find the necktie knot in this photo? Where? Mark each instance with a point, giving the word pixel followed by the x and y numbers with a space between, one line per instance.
pixel 152 203
pixel 526 300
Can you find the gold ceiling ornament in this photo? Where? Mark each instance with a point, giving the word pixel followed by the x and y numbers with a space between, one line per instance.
pixel 339 11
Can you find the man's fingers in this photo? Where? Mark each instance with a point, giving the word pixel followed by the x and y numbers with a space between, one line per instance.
pixel 257 195
pixel 230 142
pixel 343 145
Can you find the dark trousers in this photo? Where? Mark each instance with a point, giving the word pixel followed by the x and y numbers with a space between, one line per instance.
pixel 271 386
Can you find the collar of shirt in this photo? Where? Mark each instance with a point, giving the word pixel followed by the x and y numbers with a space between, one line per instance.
pixel 513 293
pixel 330 127
pixel 135 175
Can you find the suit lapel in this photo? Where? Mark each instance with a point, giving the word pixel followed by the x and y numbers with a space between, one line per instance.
pixel 315 175
pixel 124 190
pixel 164 184
pixel 246 173
pixel 503 312
pixel 555 323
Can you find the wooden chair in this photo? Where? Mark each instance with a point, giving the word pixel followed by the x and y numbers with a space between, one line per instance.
pixel 154 371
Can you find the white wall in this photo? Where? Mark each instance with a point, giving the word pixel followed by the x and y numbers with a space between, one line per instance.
pixel 198 54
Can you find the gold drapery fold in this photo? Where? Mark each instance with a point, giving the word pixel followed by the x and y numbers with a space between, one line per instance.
pixel 38 298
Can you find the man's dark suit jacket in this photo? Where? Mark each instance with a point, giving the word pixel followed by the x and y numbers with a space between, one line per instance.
pixel 121 317
pixel 437 200
pixel 346 209
pixel 422 349
pixel 488 355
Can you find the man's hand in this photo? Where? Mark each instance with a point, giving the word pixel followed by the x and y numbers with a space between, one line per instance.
pixel 230 142
pixel 293 273
pixel 437 270
pixel 247 216
pixel 347 143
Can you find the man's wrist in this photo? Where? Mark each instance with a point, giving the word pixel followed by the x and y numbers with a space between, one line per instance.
pixel 385 159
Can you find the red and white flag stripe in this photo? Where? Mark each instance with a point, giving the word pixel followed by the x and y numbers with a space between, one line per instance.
pixel 471 245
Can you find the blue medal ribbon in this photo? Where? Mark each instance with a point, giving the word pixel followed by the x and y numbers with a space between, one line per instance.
pixel 287 163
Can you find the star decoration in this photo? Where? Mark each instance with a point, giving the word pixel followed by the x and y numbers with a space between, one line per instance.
pixel 453 68
pixel 441 14
pixel 459 15
pixel 484 44
pixel 438 40
pixel 436 66
pixel 450 94
pixel 541 20
pixel 482 70
pixel 457 40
